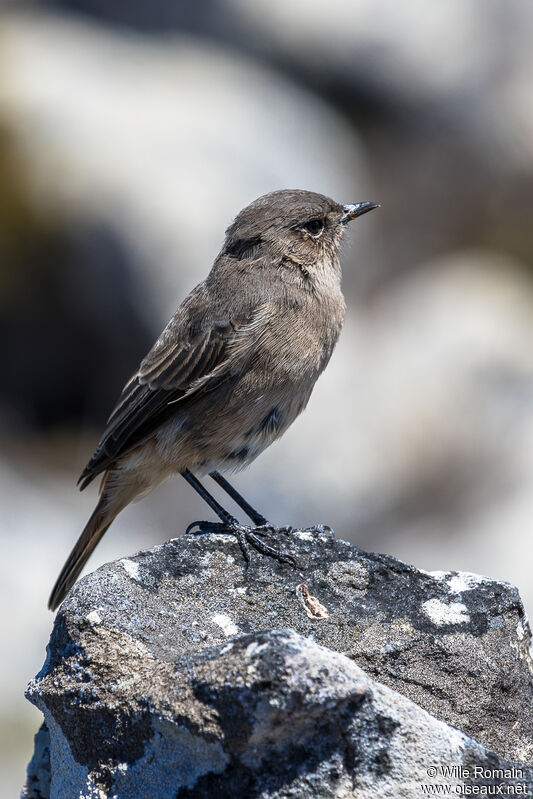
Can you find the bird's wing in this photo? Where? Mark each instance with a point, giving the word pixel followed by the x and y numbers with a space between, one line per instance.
pixel 194 354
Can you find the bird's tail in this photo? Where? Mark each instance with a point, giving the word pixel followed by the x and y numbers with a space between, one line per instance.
pixel 110 504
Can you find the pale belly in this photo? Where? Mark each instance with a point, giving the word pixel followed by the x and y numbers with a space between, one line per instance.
pixel 227 437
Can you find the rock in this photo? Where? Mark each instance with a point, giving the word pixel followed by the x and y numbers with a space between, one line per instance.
pixel 434 419
pixel 38 782
pixel 70 286
pixel 176 673
pixel 218 723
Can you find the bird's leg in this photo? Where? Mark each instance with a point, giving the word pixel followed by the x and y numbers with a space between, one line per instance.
pixel 226 518
pixel 257 518
pixel 244 535
pixel 262 525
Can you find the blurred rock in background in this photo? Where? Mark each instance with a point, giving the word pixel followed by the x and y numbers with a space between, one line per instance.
pixel 69 309
pixel 441 94
pixel 131 134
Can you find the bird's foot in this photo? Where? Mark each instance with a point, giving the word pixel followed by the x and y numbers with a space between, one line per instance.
pixel 248 538
pixel 252 537
pixel 205 527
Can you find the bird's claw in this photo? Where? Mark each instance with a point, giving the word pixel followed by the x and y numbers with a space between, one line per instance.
pixel 248 538
pixel 205 527
pixel 253 538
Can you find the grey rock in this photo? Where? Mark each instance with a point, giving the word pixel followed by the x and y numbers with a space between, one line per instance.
pixel 270 714
pixel 38 782
pixel 178 673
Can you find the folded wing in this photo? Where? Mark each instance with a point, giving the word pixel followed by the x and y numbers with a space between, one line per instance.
pixel 191 356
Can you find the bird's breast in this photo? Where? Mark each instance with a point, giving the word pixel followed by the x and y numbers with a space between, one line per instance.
pixel 227 428
pixel 300 340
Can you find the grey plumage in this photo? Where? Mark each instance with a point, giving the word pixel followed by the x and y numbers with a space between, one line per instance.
pixel 235 365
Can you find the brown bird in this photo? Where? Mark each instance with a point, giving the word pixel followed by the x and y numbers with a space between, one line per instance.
pixel 233 368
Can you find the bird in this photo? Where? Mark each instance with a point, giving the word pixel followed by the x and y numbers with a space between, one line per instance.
pixel 232 369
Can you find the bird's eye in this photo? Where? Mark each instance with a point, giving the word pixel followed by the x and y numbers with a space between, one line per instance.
pixel 314 227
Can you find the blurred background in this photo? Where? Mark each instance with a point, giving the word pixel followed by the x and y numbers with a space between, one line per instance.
pixel 130 135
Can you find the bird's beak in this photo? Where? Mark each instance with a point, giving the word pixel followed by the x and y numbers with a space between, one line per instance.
pixel 353 211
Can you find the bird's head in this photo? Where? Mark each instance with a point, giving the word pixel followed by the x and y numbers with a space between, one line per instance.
pixel 302 227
